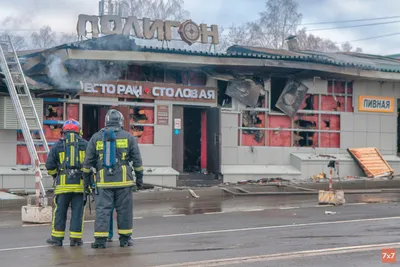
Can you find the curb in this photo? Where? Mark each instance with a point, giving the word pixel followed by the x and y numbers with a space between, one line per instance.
pixel 272 189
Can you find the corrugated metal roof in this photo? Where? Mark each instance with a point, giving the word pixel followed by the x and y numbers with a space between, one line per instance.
pixel 356 60
pixel 353 60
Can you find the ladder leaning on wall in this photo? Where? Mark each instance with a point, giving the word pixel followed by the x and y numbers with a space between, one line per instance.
pixel 26 112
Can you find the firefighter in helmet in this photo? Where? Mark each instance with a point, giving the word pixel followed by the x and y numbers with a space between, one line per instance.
pixel 65 164
pixel 115 155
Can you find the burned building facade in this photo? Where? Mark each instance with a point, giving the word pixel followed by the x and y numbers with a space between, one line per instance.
pixel 248 113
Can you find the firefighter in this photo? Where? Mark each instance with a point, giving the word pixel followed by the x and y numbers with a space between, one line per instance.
pixel 114 153
pixel 65 163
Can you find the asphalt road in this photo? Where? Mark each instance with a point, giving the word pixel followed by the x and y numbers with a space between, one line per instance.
pixel 238 232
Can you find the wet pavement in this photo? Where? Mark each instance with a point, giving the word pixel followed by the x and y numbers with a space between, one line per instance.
pixel 243 231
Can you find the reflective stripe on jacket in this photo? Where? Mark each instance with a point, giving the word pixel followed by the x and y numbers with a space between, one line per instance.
pixel 66 181
pixel 127 150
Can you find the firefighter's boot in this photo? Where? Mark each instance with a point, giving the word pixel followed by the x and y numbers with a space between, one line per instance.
pixel 125 241
pixel 54 242
pixel 76 242
pixel 99 243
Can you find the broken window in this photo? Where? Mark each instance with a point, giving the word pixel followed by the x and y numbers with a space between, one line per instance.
pixel 141 121
pixel 224 100
pixel 305 138
pixel 194 78
pixel 250 135
pixel 277 86
pixel 173 76
pixel 316 124
pixel 340 97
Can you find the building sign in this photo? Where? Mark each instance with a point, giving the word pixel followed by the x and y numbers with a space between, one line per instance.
pixel 162 114
pixel 189 31
pixel 177 124
pixel 376 104
pixel 143 90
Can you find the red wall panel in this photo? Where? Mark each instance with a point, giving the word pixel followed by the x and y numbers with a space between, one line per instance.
pixel 73 111
pixel 249 139
pixel 279 138
pixel 23 157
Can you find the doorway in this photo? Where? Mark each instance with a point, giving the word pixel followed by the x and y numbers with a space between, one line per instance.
pixel 94 118
pixel 196 141
pixel 192 140
pixel 90 122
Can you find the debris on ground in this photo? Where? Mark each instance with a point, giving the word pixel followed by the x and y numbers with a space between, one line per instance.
pixel 319 156
pixel 319 176
pixel 277 180
pixel 330 212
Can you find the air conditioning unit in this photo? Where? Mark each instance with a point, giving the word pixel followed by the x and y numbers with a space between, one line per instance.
pixel 8 115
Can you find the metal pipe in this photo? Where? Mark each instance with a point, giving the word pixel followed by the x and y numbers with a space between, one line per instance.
pixel 345 97
pixel 288 129
pixel 323 112
pixel 142 124
pixel 240 128
pixel 319 118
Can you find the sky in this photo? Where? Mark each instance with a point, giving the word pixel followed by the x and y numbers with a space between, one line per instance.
pixel 62 16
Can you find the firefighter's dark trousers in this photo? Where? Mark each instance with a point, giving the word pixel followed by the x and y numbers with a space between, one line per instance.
pixel 121 199
pixel 61 204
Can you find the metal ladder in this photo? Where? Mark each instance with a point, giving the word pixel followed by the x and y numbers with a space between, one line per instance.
pixel 26 112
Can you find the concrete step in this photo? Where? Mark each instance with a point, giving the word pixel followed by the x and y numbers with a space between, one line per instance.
pixel 198 180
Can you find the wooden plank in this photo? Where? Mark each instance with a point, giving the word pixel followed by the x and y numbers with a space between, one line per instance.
pixel 371 161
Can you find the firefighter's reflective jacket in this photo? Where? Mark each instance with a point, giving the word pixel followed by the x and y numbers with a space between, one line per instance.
pixel 65 163
pixel 126 152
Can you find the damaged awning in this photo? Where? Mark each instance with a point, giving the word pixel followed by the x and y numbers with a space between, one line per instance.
pixel 371 162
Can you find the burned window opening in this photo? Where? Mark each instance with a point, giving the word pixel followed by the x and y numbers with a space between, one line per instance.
pixel 138 115
pixel 327 123
pixel 251 119
pixel 309 103
pixel 224 100
pixel 261 98
pixel 173 76
pixel 277 86
pixel 304 139
pixel 261 101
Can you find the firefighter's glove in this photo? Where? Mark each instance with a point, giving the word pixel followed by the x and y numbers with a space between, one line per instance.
pixel 139 179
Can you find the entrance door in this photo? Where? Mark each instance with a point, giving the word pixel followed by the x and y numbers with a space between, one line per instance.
pixel 214 140
pixel 90 121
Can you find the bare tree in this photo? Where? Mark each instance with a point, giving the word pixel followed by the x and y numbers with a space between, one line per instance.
pixel 347 47
pixel 359 50
pixel 17 40
pixel 45 38
pixel 154 9
pixel 280 19
pixel 68 38
pixel 9 23
pixel 315 43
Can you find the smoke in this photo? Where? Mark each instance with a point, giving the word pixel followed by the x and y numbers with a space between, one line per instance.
pixel 66 75
pixel 57 72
